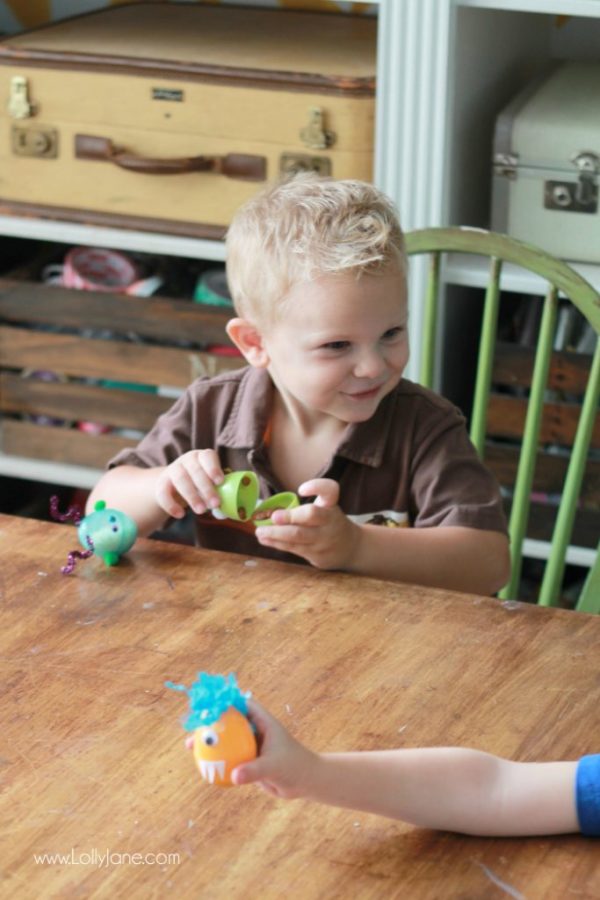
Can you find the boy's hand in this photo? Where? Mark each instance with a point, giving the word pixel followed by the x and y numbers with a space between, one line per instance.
pixel 283 766
pixel 190 482
pixel 319 532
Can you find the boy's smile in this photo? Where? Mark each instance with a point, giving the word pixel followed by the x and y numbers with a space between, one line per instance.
pixel 340 345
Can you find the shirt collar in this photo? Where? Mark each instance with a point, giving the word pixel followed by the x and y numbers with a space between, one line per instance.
pixel 363 442
pixel 249 417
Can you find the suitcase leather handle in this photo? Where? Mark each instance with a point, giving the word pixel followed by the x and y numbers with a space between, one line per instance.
pixel 233 165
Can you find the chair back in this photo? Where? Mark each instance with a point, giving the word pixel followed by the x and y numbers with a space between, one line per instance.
pixel 534 413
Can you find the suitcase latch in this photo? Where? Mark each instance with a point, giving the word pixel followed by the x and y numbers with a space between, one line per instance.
pixel 31 141
pixel 505 165
pixel 314 135
pixel 587 163
pixel 293 163
pixel 19 106
pixel 579 196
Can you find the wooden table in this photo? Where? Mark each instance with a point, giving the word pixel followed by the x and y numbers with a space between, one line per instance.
pixel 92 758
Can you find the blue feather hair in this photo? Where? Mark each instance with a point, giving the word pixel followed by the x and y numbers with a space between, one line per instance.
pixel 210 695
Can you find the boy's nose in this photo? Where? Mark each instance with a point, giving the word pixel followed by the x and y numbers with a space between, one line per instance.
pixel 370 364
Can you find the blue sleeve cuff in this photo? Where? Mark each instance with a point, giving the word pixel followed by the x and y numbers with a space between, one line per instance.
pixel 587 795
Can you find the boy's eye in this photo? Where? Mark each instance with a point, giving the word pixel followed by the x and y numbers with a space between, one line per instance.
pixel 393 333
pixel 336 345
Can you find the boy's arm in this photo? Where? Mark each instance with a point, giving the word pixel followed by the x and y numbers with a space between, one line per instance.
pixel 132 490
pixel 152 495
pixel 447 788
pixel 451 557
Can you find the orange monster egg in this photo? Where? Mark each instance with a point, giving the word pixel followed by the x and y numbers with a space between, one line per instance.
pixel 223 745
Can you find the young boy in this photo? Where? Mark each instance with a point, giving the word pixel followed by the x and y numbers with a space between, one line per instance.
pixel 449 788
pixel 317 272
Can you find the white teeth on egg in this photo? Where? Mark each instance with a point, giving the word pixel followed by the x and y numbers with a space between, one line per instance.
pixel 211 768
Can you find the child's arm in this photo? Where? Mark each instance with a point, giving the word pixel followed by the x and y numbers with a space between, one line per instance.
pixel 451 557
pixel 455 558
pixel 150 496
pixel 132 490
pixel 447 788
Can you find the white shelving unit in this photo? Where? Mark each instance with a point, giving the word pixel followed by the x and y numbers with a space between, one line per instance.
pixel 445 68
pixel 472 271
pixel 116 238
pixel 553 7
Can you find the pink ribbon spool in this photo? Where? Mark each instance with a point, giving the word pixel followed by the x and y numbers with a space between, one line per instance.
pixel 97 269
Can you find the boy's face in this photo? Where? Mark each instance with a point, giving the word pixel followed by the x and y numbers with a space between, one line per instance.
pixel 341 344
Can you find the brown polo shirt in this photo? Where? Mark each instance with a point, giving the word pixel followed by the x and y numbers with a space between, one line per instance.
pixel 412 463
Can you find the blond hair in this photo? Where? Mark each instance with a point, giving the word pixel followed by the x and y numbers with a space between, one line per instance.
pixel 299 229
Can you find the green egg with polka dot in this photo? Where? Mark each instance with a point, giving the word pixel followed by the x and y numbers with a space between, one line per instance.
pixel 108 532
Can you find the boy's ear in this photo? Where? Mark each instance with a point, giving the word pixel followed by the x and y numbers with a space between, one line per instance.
pixel 249 341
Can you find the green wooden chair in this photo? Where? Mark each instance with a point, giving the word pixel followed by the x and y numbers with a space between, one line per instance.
pixel 547 372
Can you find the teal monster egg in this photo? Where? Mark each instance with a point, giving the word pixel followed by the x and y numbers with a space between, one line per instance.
pixel 108 532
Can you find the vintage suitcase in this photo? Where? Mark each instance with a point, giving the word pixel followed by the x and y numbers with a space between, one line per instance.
pixel 96 111
pixel 546 163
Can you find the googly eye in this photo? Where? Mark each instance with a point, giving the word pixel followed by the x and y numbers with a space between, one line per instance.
pixel 209 737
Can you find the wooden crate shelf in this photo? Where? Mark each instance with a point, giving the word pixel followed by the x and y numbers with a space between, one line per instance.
pixel 85 339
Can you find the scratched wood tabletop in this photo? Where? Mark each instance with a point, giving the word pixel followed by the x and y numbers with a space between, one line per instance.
pixel 92 757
